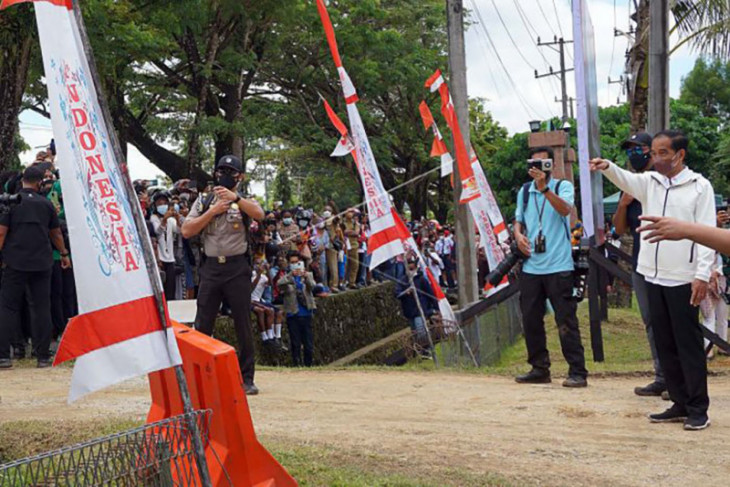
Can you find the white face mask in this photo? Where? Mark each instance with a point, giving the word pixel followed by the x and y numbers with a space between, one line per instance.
pixel 327 214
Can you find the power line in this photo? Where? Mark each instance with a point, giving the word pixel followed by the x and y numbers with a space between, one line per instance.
pixel 557 18
pixel 545 17
pixel 530 111
pixel 535 35
pixel 519 51
pixel 613 51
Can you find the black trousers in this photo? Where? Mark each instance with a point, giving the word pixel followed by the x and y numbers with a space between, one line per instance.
pixel 558 288
pixel 231 280
pixel 18 286
pixel 300 334
pixel 679 345
pixel 170 283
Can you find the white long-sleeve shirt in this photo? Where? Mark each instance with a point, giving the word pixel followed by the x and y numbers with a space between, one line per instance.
pixel 688 197
pixel 166 235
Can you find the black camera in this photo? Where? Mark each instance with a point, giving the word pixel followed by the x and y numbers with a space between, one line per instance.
pixel 9 200
pixel 540 244
pixel 545 165
pixel 503 268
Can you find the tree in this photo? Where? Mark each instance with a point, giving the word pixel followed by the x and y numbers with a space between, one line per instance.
pixel 705 25
pixel 282 186
pixel 707 87
pixel 17 39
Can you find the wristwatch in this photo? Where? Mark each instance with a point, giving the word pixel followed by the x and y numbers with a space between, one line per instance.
pixel 238 198
pixel 543 191
pixel 65 254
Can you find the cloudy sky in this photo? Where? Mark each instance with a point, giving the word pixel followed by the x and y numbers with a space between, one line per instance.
pixel 514 95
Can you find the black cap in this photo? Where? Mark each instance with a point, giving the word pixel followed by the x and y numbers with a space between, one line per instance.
pixel 642 138
pixel 159 195
pixel 231 162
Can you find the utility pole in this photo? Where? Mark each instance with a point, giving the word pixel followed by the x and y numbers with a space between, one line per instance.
pixel 571 105
pixel 658 66
pixel 466 247
pixel 560 74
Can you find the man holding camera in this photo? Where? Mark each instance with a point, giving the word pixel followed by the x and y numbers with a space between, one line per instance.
pixel 26 234
pixel 542 222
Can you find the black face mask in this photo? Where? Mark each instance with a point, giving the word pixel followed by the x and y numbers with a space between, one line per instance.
pixel 226 180
pixel 639 161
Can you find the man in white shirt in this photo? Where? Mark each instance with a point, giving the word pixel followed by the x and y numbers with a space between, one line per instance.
pixel 677 273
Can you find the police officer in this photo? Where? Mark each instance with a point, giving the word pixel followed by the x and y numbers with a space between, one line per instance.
pixel 222 219
pixel 26 234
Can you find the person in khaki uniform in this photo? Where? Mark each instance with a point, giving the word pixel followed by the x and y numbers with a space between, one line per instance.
pixel 222 219
pixel 352 233
pixel 333 248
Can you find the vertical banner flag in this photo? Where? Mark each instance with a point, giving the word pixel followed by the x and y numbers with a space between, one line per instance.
pixel 118 334
pixel 469 189
pixel 384 242
pixel 483 206
pixel 591 184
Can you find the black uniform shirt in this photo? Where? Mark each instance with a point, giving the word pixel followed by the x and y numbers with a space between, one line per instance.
pixel 28 243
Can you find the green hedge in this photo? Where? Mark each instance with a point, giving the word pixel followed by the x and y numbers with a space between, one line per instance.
pixel 343 324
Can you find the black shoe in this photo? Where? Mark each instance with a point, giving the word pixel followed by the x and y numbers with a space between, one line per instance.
pixel 251 389
pixel 653 389
pixel 18 353
pixel 534 377
pixel 575 382
pixel 696 423
pixel 44 363
pixel 6 363
pixel 675 414
pixel 280 346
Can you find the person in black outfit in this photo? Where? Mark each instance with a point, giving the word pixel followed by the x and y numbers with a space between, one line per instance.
pixel 426 298
pixel 26 234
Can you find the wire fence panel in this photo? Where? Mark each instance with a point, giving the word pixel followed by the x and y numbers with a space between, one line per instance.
pixel 157 454
pixel 489 334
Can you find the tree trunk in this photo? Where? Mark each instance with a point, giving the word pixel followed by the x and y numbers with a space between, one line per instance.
pixel 639 69
pixel 18 33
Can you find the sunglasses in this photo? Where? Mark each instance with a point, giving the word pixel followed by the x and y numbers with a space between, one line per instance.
pixel 634 150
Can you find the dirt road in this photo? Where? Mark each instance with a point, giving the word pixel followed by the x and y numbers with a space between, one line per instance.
pixel 538 435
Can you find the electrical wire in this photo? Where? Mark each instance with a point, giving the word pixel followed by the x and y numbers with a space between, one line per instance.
pixel 613 51
pixel 534 36
pixel 528 109
pixel 519 51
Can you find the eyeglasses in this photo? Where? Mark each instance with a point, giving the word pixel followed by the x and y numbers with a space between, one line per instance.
pixel 227 170
pixel 638 150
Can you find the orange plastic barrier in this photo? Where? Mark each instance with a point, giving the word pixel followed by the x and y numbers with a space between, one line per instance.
pixel 215 383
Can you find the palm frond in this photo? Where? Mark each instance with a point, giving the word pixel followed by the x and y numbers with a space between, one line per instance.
pixel 704 25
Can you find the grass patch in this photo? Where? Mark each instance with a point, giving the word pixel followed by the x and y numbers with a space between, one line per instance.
pixel 310 465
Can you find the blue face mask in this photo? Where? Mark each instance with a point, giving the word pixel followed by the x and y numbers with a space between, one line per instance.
pixel 287 221
pixel 162 209
pixel 177 207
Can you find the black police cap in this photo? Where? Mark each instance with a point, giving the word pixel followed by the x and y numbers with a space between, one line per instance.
pixel 231 162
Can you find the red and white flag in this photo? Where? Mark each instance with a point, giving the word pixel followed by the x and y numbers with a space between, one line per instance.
pixel 384 243
pixel 439 148
pixel 118 334
pixel 487 217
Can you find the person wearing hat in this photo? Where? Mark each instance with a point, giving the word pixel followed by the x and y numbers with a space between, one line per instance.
pixel 626 219
pixel 222 219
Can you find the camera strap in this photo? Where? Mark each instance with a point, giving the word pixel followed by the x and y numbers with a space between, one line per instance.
pixel 526 200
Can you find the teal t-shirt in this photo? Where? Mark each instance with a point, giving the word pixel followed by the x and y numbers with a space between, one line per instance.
pixel 558 256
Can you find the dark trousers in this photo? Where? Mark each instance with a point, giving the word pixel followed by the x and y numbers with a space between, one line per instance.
pixel 679 344
pixel 36 288
pixel 231 280
pixel 300 334
pixel 170 283
pixel 447 277
pixel 558 288
pixel 70 302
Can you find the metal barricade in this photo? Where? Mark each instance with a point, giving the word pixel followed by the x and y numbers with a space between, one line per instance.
pixel 156 454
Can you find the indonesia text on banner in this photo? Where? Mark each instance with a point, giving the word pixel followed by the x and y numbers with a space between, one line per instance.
pixel 110 270
pixel 495 216
pixel 384 243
